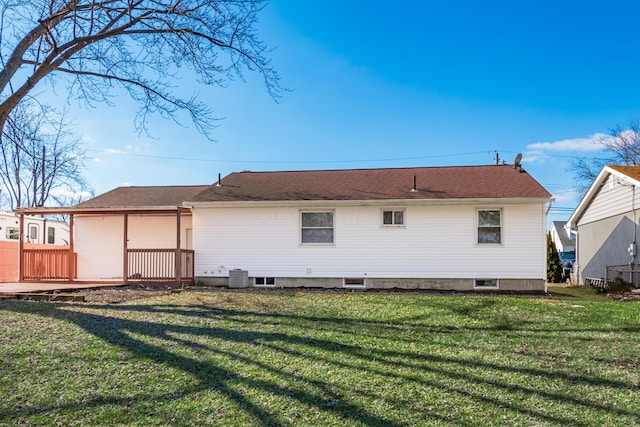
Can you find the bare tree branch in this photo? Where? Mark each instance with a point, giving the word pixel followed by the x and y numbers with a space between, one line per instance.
pixel 620 147
pixel 40 155
pixel 139 45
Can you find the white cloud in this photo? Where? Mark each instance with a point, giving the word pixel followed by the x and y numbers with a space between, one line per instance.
pixel 97 160
pixel 114 151
pixel 569 195
pixel 73 195
pixel 592 143
pixel 540 152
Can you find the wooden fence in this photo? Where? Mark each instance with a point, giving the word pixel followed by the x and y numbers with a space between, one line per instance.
pixel 47 264
pixel 159 264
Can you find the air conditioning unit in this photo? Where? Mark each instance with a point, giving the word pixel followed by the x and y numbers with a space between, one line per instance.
pixel 238 278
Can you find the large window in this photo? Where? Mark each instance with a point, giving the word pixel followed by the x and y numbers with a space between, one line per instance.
pixel 395 217
pixel 317 227
pixel 489 226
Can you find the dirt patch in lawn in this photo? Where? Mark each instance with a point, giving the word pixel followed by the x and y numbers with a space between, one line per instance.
pixel 119 294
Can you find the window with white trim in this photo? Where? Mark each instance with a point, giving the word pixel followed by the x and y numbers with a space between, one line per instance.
pixel 354 282
pixel 33 233
pixel 489 226
pixel 486 284
pixel 51 235
pixel 317 227
pixel 264 281
pixel 393 217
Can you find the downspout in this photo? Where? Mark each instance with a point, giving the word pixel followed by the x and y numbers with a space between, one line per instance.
pixel 576 264
pixel 632 248
pixel 549 204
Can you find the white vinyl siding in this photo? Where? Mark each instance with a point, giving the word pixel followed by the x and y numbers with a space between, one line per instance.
pixel 440 242
pixel 614 198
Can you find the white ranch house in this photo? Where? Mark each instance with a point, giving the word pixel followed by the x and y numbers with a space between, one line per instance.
pixel 456 228
pixel 463 228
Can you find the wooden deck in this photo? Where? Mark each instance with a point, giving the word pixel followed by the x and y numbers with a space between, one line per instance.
pixel 23 288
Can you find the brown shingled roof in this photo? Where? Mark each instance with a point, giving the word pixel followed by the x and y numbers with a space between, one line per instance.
pixel 128 197
pixel 452 182
pixel 630 171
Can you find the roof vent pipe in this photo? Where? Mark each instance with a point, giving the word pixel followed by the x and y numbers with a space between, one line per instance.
pixel 218 184
pixel 414 189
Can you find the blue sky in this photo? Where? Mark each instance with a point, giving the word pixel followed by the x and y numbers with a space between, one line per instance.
pixel 382 84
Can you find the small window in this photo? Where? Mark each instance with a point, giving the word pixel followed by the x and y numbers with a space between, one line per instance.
pixel 33 233
pixel 486 284
pixel 264 281
pixel 489 226
pixel 355 282
pixel 317 227
pixel 393 217
pixel 13 233
pixel 51 235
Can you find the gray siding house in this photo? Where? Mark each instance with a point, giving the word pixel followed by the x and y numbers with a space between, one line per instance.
pixel 607 224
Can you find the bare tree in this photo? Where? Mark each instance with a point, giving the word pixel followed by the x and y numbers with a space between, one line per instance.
pixel 620 147
pixel 41 159
pixel 139 45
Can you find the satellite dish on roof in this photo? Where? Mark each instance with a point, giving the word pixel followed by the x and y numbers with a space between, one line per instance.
pixel 518 159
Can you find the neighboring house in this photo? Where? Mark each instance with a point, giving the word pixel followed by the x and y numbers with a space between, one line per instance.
pixel 455 228
pixel 36 229
pixel 607 223
pixel 562 237
pixel 39 233
pixel 130 233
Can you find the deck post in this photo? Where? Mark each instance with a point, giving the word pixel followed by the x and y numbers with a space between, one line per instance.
pixel 178 260
pixel 21 249
pixel 70 261
pixel 125 249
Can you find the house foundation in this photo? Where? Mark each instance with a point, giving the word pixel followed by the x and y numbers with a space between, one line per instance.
pixel 463 285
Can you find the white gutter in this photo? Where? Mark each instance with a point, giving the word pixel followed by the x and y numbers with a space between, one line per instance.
pixel 383 202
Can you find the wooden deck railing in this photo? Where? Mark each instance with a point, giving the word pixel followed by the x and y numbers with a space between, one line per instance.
pixel 159 264
pixel 47 264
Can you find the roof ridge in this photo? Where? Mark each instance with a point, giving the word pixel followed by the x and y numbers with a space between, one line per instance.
pixel 374 169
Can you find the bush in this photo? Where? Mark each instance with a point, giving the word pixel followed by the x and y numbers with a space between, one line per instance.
pixel 618 285
pixel 554 268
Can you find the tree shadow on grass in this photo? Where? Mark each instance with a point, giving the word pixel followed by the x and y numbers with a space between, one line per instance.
pixel 120 332
pixel 133 336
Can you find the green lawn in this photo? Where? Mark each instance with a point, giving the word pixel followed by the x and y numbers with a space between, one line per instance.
pixel 322 359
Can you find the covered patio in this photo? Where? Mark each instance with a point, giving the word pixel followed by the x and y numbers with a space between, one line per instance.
pixel 138 264
pixel 125 237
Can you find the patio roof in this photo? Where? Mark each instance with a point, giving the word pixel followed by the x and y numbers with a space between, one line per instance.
pixel 121 200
